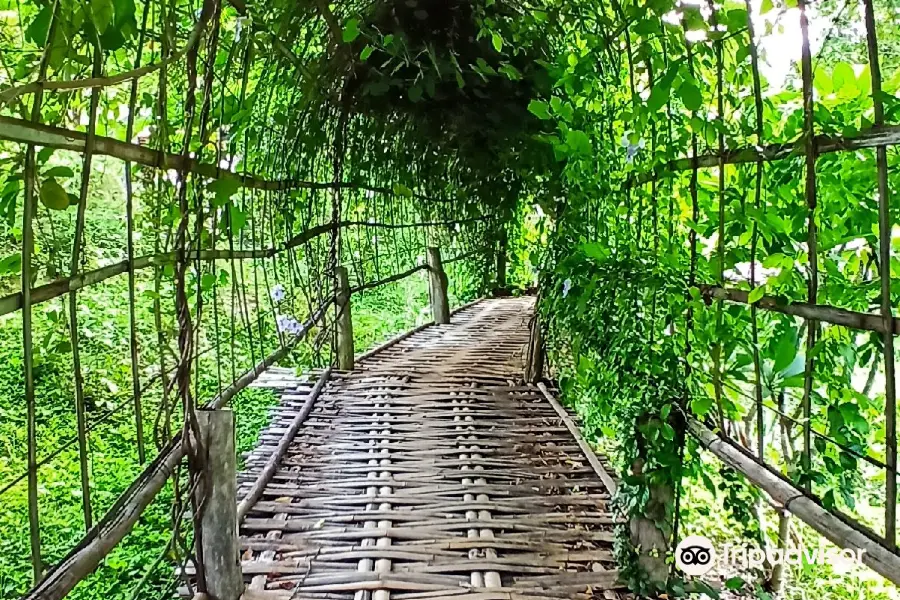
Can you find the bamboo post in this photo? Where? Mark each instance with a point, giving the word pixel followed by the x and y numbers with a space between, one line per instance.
pixel 884 252
pixel 534 367
pixel 501 260
pixel 440 305
pixel 651 530
pixel 344 322
pixel 221 550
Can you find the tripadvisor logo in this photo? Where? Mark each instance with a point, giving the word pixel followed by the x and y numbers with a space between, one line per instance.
pixel 695 555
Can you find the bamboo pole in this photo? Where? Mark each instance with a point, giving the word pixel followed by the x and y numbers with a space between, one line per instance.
pixel 884 247
pixel 812 252
pixel 74 267
pixel 888 135
pixel 534 368
pixel 501 258
pixel 25 132
pixel 819 312
pixel 29 209
pixel 268 471
pixel 393 278
pixel 720 238
pixel 796 501
pixel 129 225
pixel 754 234
pixel 48 291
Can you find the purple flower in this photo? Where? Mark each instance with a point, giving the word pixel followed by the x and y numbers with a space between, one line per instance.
pixel 567 285
pixel 278 293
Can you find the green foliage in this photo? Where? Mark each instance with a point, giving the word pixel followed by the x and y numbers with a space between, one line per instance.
pixel 627 372
pixel 462 108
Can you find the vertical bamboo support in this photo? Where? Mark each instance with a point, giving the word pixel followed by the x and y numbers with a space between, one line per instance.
pixel 754 235
pixel 534 367
pixel 28 360
pixel 440 305
pixel 28 349
pixel 692 232
pixel 813 284
pixel 344 350
pixel 77 252
pixel 28 211
pixel 129 221
pixel 884 251
pixel 720 242
pixel 501 259
pixel 221 550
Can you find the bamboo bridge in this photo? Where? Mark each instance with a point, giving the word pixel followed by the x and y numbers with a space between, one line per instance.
pixel 430 470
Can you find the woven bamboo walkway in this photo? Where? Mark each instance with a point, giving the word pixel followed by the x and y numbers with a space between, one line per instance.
pixel 430 471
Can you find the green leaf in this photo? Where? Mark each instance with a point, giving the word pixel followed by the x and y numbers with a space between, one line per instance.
pixel 737 19
pixel 691 96
pixel 207 281
pixel 102 14
pixel 701 405
pixel 224 188
pixel 366 53
pixel 37 30
pixel 497 41
pixel 402 190
pixel 53 196
pixel 766 6
pixel 843 77
pixel 664 412
pixel 578 142
pixel 662 89
pixel 539 109
pixel 785 351
pixel 596 250
pixel 511 72
pixel 11 264
pixel 238 218
pixel 735 583
pixel 59 172
pixel 757 293
pixel 698 586
pixel 351 30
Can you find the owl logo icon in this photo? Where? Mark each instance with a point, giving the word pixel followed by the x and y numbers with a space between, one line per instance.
pixel 695 555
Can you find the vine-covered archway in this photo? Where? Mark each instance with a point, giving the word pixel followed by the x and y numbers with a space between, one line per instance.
pixel 713 245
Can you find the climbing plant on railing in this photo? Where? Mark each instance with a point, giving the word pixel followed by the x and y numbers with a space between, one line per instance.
pixel 631 106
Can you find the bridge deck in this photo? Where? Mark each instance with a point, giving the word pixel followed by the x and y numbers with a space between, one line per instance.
pixel 431 471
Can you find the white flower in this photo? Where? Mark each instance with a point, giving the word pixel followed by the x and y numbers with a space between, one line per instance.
pixel 567 285
pixel 278 293
pixel 283 322
pixel 288 324
pixel 631 149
